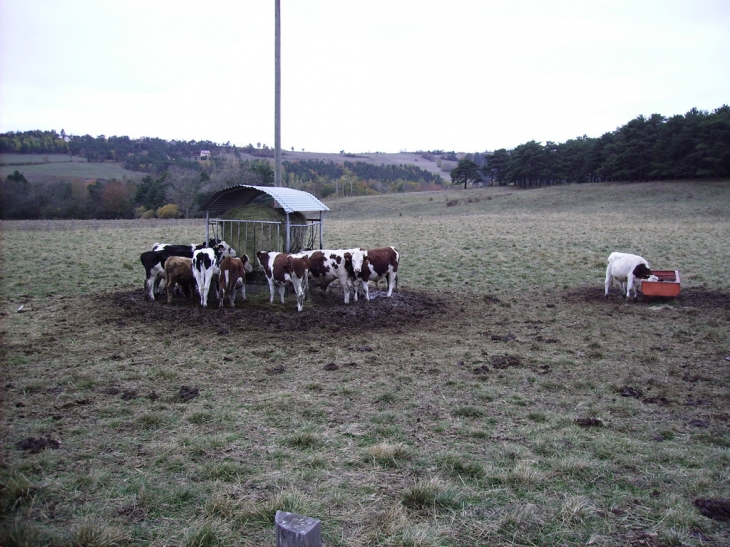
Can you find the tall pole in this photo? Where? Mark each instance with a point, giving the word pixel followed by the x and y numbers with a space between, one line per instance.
pixel 277 96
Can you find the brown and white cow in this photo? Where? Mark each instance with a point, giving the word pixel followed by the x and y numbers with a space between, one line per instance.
pixel 374 265
pixel 232 277
pixel 179 271
pixel 330 265
pixel 282 268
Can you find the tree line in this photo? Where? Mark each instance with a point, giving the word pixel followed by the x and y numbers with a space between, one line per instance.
pixel 181 187
pixel 695 145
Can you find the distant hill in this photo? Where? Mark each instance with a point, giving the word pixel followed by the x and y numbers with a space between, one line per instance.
pixel 41 167
pixel 433 163
pixel 38 166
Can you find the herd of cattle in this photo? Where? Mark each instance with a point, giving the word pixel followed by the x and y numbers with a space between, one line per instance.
pixel 214 266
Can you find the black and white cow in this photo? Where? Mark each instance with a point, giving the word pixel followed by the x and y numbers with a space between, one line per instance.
pixel 206 267
pixel 154 261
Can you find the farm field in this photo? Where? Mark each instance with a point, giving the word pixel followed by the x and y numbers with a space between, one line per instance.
pixel 496 399
pixel 61 165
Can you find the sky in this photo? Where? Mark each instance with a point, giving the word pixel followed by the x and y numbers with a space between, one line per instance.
pixel 366 76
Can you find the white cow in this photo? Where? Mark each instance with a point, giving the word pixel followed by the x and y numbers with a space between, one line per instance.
pixel 627 270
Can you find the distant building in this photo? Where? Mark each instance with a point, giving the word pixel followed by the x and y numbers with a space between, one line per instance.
pixel 205 154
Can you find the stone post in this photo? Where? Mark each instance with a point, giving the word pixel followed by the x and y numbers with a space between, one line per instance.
pixel 294 530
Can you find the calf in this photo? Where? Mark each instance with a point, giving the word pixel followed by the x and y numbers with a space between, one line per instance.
pixel 233 276
pixel 206 265
pixel 627 271
pixel 374 265
pixel 328 266
pixel 179 271
pixel 281 268
pixel 154 261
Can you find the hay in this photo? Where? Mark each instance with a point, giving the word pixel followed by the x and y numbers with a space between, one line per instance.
pixel 261 234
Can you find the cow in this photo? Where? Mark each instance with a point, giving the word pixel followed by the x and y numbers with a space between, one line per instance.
pixel 153 264
pixel 206 265
pixel 374 265
pixel 281 268
pixel 179 271
pixel 154 261
pixel 627 270
pixel 330 265
pixel 233 276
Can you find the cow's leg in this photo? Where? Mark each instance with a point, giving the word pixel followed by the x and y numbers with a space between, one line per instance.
pixel 609 279
pixel 148 292
pixel 630 286
pixel 169 288
pixel 282 288
pixel 297 284
pixel 391 282
pixel 271 291
pixel 365 290
pixel 345 284
pixel 243 288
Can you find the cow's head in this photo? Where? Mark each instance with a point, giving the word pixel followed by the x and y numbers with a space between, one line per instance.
pixel 642 272
pixel 247 267
pixel 357 260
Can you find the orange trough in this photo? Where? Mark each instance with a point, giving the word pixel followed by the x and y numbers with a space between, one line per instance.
pixel 667 286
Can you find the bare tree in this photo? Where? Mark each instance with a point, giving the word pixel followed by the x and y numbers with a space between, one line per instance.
pixel 185 185
pixel 231 174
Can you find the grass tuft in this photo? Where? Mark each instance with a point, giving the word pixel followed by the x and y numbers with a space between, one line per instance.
pixel 432 495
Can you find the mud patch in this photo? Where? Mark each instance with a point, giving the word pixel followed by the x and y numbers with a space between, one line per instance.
pixel 36 445
pixel 506 361
pixel 405 309
pixel 188 393
pixel 717 509
pixel 589 422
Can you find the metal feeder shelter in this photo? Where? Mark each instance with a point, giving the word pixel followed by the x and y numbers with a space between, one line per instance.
pixel 265 234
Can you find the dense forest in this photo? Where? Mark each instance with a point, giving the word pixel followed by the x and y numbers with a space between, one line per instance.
pixel 695 145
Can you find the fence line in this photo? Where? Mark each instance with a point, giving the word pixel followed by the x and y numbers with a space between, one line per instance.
pixel 93 224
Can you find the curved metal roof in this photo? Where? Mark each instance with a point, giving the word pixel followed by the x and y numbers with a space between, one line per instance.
pixel 237 196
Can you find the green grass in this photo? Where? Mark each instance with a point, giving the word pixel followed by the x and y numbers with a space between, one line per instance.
pixel 62 165
pixel 404 444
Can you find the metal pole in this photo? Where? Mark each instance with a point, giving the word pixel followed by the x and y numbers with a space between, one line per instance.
pixel 288 229
pixel 277 109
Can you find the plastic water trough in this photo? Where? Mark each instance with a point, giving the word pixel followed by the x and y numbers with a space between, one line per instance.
pixel 666 286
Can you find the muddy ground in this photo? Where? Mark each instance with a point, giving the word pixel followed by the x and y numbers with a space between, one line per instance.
pixel 575 345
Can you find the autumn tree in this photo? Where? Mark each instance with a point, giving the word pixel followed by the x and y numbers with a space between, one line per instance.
pixel 117 199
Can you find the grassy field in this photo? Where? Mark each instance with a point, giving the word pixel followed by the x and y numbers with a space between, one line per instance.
pixel 61 165
pixel 497 399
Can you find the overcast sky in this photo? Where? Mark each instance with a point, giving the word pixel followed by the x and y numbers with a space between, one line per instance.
pixel 365 76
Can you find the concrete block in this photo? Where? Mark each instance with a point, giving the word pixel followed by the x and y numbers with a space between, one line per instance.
pixel 294 530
